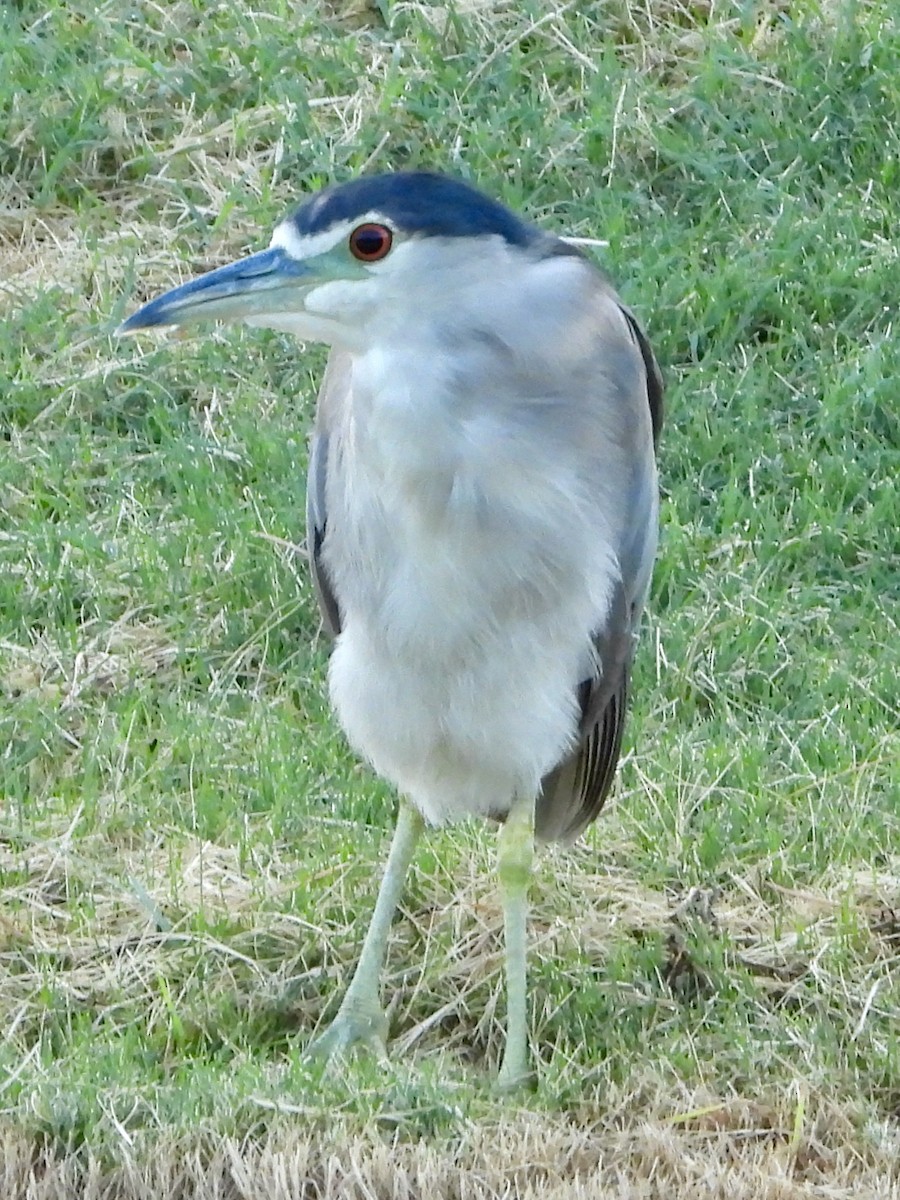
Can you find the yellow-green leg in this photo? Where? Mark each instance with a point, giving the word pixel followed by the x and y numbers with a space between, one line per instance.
pixel 360 1020
pixel 516 851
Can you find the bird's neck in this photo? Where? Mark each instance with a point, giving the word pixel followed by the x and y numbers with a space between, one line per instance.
pixel 407 424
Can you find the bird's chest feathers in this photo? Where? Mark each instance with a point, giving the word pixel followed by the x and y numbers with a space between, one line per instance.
pixel 450 525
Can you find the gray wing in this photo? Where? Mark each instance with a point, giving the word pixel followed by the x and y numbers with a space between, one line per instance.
pixel 573 793
pixel 655 386
pixel 316 479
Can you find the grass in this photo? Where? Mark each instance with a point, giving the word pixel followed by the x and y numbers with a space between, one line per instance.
pixel 188 851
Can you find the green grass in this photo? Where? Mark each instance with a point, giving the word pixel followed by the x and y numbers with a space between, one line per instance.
pixel 189 852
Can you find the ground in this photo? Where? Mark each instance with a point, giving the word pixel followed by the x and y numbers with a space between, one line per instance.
pixel 188 850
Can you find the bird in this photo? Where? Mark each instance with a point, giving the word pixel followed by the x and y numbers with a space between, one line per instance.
pixel 482 514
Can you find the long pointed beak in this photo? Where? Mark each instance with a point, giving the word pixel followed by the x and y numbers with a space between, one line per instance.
pixel 264 283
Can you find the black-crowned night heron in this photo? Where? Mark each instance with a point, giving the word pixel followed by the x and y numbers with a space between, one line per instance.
pixel 481 517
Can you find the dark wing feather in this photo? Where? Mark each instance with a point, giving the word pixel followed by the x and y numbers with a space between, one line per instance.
pixel 333 394
pixel 573 793
pixel 655 386
pixel 316 523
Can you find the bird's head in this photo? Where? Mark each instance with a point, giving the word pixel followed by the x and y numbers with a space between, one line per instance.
pixel 357 256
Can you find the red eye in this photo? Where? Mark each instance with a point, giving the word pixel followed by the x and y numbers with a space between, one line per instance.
pixel 368 243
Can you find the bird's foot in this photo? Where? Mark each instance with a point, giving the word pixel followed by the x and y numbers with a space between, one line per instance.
pixel 513 1083
pixel 355 1027
pixel 515 1074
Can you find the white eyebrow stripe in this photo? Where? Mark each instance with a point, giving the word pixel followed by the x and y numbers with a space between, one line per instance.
pixel 301 246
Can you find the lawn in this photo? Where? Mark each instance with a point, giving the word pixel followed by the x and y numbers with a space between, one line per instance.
pixel 188 850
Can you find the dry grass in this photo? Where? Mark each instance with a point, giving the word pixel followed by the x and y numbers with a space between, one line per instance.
pixel 719 1150
pixel 651 1136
